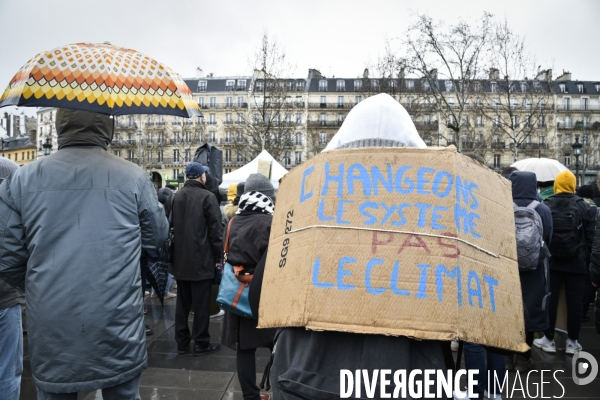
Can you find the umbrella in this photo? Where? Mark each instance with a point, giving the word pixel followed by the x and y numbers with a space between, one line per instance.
pixel 545 169
pixel 158 272
pixel 100 78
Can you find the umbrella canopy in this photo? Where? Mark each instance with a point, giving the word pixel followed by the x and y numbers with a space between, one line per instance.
pixel 545 169
pixel 100 78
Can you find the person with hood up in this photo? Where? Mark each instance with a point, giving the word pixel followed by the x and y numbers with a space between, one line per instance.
pixel 248 242
pixel 11 326
pixel 572 234
pixel 306 364
pixel 72 227
pixel 232 207
pixel 535 285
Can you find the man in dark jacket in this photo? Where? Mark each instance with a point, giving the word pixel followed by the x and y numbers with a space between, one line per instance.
pixel 11 328
pixel 535 284
pixel 595 270
pixel 72 226
pixel 573 230
pixel 198 249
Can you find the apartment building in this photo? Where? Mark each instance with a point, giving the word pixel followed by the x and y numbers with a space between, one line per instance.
pixel 295 118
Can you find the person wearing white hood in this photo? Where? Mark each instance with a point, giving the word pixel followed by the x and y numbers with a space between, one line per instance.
pixel 306 364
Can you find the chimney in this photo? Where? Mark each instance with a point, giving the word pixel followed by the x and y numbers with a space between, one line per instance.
pixel 566 76
pixel 199 73
pixel 366 73
pixel 22 130
pixel 433 74
pixel 494 74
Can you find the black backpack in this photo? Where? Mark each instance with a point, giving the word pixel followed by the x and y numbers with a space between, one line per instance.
pixel 567 226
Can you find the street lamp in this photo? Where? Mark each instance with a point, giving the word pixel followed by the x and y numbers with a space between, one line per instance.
pixel 47 147
pixel 577 152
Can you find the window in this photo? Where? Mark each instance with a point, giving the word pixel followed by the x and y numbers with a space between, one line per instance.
pixel 130 155
pixel 426 86
pixel 340 119
pixel 227 155
pixel 410 100
pixel 150 119
pixel 212 102
pixel 340 101
pixel 212 136
pixel 202 86
pixel 322 85
pixel 177 137
pixel 562 88
pixel 298 158
pixel 567 121
pixel 241 84
pixel 239 157
pixel 358 85
pixel 426 119
pixel 175 173
pixel 286 158
pixel 229 102
pixel 566 104
pixel 228 119
pixel 227 136
pixel 451 102
pixel 448 85
pixel 479 121
pixel 322 138
pixel 260 86
pixel 298 118
pixel 541 122
pixel 298 139
pixel 524 87
pixel 116 152
pixel 159 155
pixel 240 101
pixel 374 84
pixel 340 85
pixel 410 84
pixel 497 158
pixel 496 120
pixel 493 87
pixel 323 101
pixel 528 121
pixel 451 120
pixel 515 121
pixel 541 140
pixel 230 84
pixel 597 85
pixel 513 103
pixel 288 100
pixel 580 87
pixel 160 137
pixel 540 103
pixel 322 119
pixel 357 99
pixel 528 139
pixel 584 104
pixel 299 86
pixel 586 121
pixel 495 102
pixel 299 101
pixel 188 155
pixel 188 136
pixel 567 160
pixel 240 118
pixel 527 104
pixel 212 119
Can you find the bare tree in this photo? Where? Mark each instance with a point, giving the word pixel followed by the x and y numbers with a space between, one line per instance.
pixel 516 104
pixel 449 61
pixel 269 122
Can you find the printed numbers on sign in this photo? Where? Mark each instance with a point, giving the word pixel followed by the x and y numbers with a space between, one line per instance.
pixel 286 241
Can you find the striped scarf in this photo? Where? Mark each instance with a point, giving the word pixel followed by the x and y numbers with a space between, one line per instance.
pixel 256 201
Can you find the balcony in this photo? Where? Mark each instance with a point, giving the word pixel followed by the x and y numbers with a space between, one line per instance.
pixel 329 124
pixel 498 145
pixel 426 125
pixel 332 106
pixel 578 107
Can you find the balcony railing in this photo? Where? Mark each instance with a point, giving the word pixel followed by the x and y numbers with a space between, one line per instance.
pixel 578 107
pixel 325 123
pixel 340 106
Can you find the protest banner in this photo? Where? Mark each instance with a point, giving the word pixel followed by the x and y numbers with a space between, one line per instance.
pixel 395 241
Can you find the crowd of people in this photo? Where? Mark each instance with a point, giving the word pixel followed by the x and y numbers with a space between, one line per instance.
pixel 76 245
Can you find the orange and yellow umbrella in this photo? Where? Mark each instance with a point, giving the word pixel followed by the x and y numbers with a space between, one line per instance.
pixel 101 78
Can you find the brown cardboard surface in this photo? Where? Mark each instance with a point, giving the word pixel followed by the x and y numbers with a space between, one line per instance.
pixel 381 252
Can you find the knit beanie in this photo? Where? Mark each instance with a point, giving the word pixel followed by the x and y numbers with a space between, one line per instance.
pixel 259 183
pixel 585 192
pixel 163 194
pixel 564 182
pixel 231 191
pixel 240 189
pixel 6 168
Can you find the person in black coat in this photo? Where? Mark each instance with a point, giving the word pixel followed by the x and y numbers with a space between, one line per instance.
pixel 566 269
pixel 534 284
pixel 595 270
pixel 249 232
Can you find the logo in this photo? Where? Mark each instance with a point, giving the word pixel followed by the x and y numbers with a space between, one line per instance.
pixel 584 367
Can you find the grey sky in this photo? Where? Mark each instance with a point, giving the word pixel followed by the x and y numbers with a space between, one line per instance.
pixel 337 37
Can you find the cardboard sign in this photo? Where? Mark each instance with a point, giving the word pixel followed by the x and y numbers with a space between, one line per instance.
pixel 395 241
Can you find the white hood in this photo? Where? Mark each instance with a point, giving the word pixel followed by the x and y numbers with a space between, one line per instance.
pixel 377 117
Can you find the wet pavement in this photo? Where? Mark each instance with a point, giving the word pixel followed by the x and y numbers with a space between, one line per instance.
pixel 171 376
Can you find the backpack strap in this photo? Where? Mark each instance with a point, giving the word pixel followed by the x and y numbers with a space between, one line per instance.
pixel 533 205
pixel 226 248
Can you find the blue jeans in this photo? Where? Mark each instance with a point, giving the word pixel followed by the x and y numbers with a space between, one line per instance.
pixel 129 390
pixel 475 358
pixel 11 352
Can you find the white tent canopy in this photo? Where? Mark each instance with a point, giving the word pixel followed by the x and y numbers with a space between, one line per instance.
pixel 241 174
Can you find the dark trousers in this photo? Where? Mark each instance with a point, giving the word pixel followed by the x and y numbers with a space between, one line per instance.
pixel 574 288
pixel 246 369
pixel 589 294
pixel 196 293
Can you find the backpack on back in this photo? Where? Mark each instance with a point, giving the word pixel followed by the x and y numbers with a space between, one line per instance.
pixel 529 235
pixel 567 226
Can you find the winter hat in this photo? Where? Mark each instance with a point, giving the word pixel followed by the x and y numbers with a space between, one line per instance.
pixel 585 192
pixel 240 189
pixel 231 191
pixel 377 121
pixel 564 182
pixel 163 194
pixel 6 168
pixel 259 183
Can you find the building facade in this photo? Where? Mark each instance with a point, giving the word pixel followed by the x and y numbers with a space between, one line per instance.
pixel 295 118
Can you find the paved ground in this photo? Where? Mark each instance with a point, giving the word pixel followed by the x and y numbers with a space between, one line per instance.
pixel 183 377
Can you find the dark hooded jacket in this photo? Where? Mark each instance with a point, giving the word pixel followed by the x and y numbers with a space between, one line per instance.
pixel 72 227
pixel 534 284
